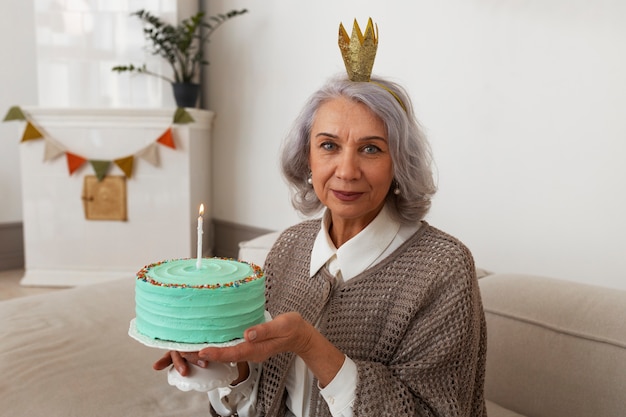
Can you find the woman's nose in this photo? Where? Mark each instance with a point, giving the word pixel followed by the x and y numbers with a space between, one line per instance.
pixel 348 167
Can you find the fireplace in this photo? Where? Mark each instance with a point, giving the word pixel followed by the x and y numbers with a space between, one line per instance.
pixel 63 244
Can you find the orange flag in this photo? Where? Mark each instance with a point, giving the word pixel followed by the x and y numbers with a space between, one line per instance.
pixel 31 132
pixel 74 162
pixel 126 165
pixel 167 139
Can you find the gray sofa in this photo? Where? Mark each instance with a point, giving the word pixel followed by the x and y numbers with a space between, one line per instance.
pixel 555 349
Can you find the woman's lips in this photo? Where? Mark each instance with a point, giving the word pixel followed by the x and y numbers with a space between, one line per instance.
pixel 346 195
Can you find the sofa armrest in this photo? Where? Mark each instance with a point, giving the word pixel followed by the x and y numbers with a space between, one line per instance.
pixel 555 348
pixel 256 250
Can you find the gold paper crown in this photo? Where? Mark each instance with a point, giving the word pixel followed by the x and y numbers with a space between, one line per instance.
pixel 359 51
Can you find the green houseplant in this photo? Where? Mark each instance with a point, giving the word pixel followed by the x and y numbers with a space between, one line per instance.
pixel 182 46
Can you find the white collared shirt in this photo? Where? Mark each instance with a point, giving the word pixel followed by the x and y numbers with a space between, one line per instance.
pixel 373 244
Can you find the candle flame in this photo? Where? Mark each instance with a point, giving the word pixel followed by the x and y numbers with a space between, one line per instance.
pixel 201 210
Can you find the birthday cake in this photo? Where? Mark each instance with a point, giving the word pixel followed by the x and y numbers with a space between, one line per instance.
pixel 177 301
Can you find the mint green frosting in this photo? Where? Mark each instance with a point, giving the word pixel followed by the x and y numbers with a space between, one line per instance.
pixel 176 301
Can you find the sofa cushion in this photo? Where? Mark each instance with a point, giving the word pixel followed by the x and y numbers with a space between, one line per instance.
pixel 68 353
pixel 555 348
pixel 495 410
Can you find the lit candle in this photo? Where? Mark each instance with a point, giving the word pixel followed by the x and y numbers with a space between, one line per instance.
pixel 200 231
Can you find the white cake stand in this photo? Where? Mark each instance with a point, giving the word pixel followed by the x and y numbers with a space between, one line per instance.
pixel 216 374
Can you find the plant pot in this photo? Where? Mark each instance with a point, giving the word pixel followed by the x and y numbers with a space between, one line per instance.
pixel 186 94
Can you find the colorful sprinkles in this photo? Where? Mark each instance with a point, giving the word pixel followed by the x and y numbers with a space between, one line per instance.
pixel 258 273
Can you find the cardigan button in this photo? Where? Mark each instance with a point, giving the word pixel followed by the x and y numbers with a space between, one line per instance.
pixel 327 288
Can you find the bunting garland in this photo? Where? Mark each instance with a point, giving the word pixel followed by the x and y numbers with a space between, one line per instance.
pixel 74 162
pixel 14 113
pixel 126 165
pixel 150 154
pixel 31 132
pixel 181 116
pixel 54 150
pixel 167 139
pixel 100 168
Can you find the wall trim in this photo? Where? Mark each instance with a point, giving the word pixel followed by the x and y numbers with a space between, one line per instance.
pixel 11 246
pixel 227 235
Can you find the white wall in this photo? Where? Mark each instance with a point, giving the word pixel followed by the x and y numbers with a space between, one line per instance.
pixel 523 102
pixel 18 86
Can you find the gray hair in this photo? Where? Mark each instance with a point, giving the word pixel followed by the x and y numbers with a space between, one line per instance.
pixel 409 149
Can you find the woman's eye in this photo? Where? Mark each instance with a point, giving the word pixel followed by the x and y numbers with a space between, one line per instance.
pixel 371 149
pixel 328 146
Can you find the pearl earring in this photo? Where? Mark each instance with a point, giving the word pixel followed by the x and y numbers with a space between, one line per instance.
pixel 310 179
pixel 396 190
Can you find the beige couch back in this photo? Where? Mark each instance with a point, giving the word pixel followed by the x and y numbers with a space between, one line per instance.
pixel 555 348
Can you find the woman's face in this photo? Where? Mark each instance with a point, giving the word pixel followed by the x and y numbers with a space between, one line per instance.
pixel 350 161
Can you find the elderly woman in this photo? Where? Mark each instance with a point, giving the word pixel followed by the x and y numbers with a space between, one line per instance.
pixel 375 312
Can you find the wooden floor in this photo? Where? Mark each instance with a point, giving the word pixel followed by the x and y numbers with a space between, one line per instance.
pixel 10 285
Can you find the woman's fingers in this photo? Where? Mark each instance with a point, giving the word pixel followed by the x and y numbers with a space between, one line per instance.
pixel 287 332
pixel 192 357
pixel 180 360
pixel 180 363
pixel 242 352
pixel 163 362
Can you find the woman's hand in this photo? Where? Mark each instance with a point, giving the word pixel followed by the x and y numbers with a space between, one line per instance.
pixel 287 332
pixel 180 360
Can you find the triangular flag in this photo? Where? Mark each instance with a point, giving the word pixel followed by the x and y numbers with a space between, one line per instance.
pixel 51 150
pixel 31 132
pixel 74 162
pixel 100 167
pixel 182 116
pixel 126 165
pixel 150 153
pixel 167 139
pixel 14 113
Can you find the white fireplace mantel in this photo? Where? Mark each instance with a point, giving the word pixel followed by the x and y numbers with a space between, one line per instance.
pixel 61 246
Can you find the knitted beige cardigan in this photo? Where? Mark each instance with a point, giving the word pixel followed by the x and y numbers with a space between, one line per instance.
pixel 413 324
